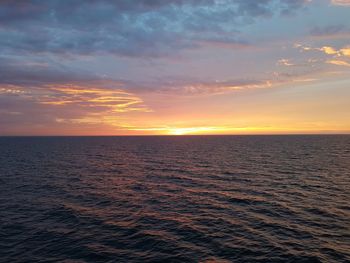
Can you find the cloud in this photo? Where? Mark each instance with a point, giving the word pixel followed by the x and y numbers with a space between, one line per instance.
pixel 148 28
pixel 341 2
pixel 115 100
pixel 285 62
pixel 328 50
pixel 188 87
pixel 330 31
pixel 219 87
pixel 195 87
pixel 339 63
pixel 66 104
pixel 331 55
pixel 345 51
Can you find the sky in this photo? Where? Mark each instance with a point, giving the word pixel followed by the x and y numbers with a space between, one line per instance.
pixel 175 67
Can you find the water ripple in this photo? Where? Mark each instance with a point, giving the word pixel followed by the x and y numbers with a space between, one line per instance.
pixel 175 199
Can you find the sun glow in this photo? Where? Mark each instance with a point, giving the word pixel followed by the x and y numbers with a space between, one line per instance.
pixel 215 130
pixel 194 130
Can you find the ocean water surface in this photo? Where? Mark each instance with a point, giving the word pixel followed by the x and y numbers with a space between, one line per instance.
pixel 175 199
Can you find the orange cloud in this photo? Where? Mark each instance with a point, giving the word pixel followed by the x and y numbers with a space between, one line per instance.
pixel 339 56
pixel 77 104
pixel 325 49
pixel 113 100
pixel 329 50
pixel 345 51
pixel 339 63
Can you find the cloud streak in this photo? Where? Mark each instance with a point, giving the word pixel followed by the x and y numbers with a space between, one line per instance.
pixel 341 2
pixel 67 103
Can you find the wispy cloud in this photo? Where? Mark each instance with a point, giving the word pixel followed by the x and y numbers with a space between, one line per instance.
pixel 111 100
pixel 330 32
pixel 339 63
pixel 196 87
pixel 341 2
pixel 285 62
pixel 68 103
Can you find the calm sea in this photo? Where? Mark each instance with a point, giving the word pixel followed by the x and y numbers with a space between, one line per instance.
pixel 175 199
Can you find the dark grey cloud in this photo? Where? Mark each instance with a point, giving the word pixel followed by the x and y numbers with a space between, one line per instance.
pixel 147 28
pixel 25 72
pixel 329 30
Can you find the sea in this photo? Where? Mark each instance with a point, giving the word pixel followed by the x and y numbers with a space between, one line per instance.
pixel 282 198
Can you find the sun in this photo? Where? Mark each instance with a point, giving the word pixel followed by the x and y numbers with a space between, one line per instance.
pixel 189 130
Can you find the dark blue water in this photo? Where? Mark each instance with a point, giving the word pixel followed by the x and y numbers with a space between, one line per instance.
pixel 175 199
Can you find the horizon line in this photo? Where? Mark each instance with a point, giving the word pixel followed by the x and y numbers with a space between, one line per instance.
pixel 184 135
